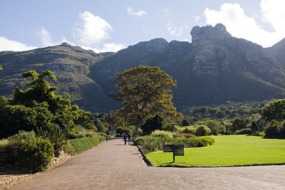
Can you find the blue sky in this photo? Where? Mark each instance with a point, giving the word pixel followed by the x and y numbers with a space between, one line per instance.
pixel 110 25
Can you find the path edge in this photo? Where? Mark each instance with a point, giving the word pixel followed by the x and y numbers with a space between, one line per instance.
pixel 148 163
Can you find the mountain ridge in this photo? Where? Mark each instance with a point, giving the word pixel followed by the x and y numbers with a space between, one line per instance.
pixel 215 68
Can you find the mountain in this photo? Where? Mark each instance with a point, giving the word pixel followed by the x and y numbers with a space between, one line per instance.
pixel 70 64
pixel 213 69
pixel 277 51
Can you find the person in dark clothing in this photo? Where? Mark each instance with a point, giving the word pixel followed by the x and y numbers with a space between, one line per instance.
pixel 125 138
pixel 129 137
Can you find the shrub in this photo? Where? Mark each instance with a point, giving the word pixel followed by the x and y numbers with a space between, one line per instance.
pixel 3 143
pixel 189 129
pixel 151 143
pixel 78 145
pixel 162 134
pixel 194 141
pixel 169 127
pixel 203 130
pixel 56 135
pixel 33 153
pixel 272 132
pixel 216 127
pixel 245 131
pixel 185 135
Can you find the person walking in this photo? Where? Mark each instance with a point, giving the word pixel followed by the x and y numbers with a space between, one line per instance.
pixel 129 138
pixel 125 138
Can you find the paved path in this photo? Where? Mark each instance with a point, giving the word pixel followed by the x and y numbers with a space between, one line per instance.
pixel 112 166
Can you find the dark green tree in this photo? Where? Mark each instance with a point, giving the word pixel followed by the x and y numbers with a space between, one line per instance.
pixel 39 89
pixel 274 110
pixel 152 124
pixel 254 127
pixel 238 124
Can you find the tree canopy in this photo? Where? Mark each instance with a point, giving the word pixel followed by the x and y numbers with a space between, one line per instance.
pixel 145 91
pixel 39 108
pixel 274 110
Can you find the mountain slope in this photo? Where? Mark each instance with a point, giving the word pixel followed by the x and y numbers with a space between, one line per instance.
pixel 277 51
pixel 70 64
pixel 213 69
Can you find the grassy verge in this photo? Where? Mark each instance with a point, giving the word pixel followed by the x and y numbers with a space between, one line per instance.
pixel 76 146
pixel 236 150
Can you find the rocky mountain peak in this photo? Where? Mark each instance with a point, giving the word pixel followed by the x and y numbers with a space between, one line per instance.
pixel 209 32
pixel 155 45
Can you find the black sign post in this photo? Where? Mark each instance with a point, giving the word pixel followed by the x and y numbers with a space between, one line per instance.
pixel 176 149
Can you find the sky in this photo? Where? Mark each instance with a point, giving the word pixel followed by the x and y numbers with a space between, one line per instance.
pixel 111 25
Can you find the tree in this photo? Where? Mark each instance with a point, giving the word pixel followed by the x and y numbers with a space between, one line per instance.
pixel 238 124
pixel 145 91
pixel 39 89
pixel 152 124
pixel 274 110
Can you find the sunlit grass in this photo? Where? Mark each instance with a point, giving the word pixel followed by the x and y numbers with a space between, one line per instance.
pixel 235 150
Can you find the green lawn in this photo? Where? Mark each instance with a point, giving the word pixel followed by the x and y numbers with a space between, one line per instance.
pixel 234 150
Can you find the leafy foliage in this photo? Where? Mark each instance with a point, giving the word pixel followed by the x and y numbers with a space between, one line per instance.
pixel 216 127
pixel 32 152
pixel 230 110
pixel 152 124
pixel 152 143
pixel 56 135
pixel 121 130
pixel 163 134
pixel 189 129
pixel 145 91
pixel 274 110
pixel 203 130
pixel 275 129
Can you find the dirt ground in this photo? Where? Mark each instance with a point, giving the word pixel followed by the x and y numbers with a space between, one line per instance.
pixel 113 165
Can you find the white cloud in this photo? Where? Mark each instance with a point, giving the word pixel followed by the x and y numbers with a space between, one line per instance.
pixel 138 13
pixel 242 26
pixel 91 29
pixel 12 45
pixel 274 14
pixel 175 31
pixel 45 37
pixel 197 19
pixel 109 47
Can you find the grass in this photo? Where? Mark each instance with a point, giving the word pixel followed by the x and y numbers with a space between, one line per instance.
pixel 78 145
pixel 235 150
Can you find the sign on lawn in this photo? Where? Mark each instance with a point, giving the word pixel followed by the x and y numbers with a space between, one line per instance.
pixel 176 149
pixel 179 150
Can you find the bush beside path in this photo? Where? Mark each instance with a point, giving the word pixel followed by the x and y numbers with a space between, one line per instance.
pixel 113 165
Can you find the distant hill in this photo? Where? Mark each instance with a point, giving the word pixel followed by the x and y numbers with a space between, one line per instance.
pixel 70 64
pixel 213 69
